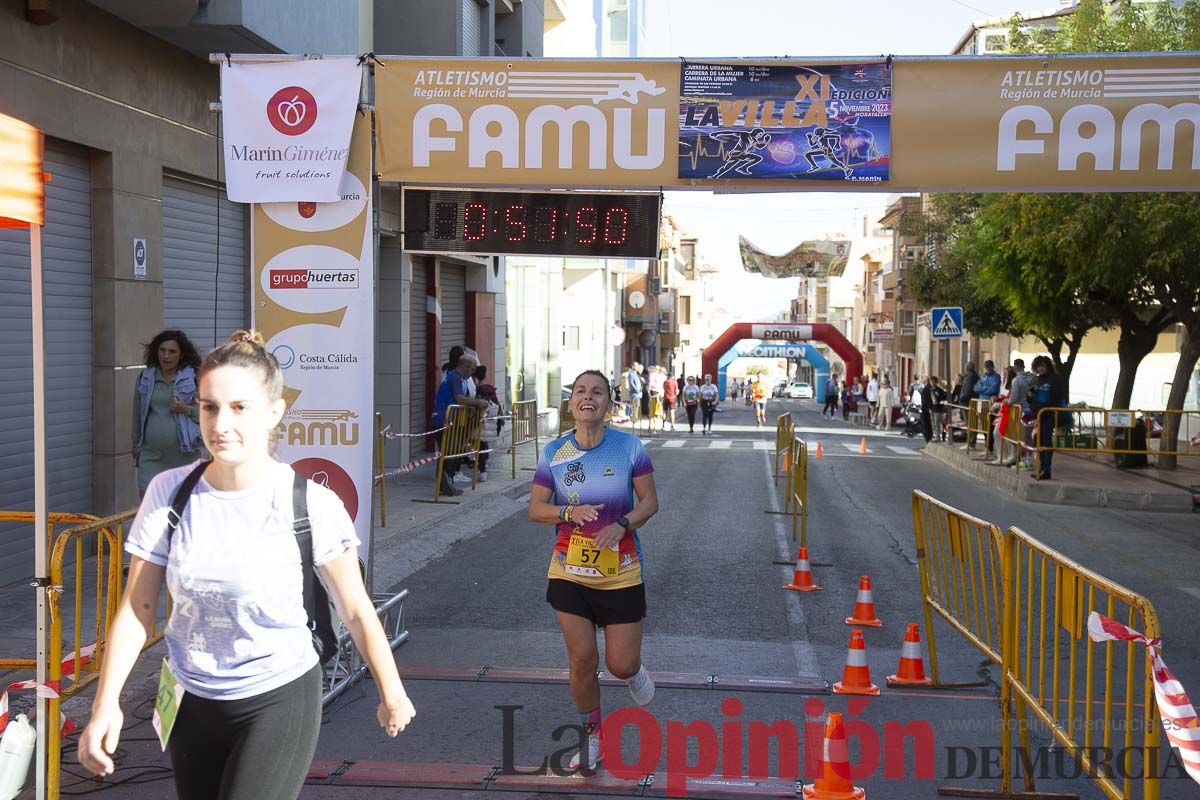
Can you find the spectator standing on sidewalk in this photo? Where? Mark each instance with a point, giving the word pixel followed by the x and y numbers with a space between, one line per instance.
pixel 831 398
pixel 987 387
pixel 887 399
pixel 845 397
pixel 453 391
pixel 633 388
pixel 927 403
pixel 872 397
pixel 670 397
pixel 166 433
pixel 1021 384
pixel 938 393
pixel 487 391
pixel 1047 391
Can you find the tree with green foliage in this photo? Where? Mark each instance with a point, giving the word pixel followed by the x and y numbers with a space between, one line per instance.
pixel 1060 264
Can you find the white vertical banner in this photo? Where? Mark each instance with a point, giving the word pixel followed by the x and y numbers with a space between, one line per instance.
pixel 286 127
pixel 314 301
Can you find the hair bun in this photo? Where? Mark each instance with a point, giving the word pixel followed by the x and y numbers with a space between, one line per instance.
pixel 251 337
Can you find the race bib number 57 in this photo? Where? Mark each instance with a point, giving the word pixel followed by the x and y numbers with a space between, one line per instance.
pixel 588 559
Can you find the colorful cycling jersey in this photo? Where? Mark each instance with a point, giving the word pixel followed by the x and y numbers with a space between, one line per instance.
pixel 691 394
pixel 708 393
pixel 600 475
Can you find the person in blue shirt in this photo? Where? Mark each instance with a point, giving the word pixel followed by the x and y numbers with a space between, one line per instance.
pixel 987 388
pixel 596 485
pixel 453 391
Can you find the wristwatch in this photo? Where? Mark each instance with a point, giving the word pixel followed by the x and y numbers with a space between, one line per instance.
pixel 624 523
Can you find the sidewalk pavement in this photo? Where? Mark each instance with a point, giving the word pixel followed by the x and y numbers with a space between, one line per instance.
pixel 1082 481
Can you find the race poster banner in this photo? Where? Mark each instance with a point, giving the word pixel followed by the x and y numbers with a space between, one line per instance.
pixel 286 127
pixel 313 299
pixel 743 121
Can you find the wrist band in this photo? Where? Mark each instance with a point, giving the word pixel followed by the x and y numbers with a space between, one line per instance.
pixel 567 513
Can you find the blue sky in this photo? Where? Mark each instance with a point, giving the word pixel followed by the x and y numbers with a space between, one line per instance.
pixel 801 28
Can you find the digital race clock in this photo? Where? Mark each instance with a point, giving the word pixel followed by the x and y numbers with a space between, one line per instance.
pixel 596 225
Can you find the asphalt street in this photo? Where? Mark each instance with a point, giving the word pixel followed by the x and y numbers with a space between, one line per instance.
pixel 716 608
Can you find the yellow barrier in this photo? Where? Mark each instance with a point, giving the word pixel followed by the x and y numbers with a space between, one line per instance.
pixel 1099 430
pixel 958 559
pixel 53 519
pixel 1048 598
pixel 784 428
pixel 380 468
pixel 979 420
pixel 566 421
pixel 798 489
pixel 524 429
pixel 464 428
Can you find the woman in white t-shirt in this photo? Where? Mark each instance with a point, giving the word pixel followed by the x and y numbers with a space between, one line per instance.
pixel 238 640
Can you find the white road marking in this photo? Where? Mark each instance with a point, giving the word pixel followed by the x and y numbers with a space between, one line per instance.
pixel 674 443
pixel 853 448
pixel 759 444
pixel 1192 590
pixel 904 451
pixel 720 444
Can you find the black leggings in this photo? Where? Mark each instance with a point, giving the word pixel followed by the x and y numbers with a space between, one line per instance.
pixel 691 412
pixel 256 748
pixel 708 410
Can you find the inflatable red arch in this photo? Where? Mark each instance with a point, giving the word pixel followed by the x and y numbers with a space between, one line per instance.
pixel 783 332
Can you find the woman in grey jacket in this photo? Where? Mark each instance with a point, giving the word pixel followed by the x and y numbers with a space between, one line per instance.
pixel 164 429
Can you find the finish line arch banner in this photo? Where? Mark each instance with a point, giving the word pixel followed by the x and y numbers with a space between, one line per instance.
pixel 1112 122
pixel 313 298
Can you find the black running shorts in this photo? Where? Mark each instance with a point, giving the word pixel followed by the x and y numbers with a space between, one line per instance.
pixel 601 606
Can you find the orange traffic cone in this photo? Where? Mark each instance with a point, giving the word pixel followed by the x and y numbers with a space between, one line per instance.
pixel 911 671
pixel 862 446
pixel 833 775
pixel 864 607
pixel 820 451
pixel 802 580
pixel 856 676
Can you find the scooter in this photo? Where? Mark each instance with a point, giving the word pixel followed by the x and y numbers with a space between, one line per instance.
pixel 912 420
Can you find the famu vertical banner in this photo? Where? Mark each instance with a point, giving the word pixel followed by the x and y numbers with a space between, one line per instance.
pixel 314 301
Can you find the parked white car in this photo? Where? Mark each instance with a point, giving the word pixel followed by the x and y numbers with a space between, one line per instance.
pixel 800 391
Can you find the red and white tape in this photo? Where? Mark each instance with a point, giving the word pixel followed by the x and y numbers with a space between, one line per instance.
pixel 50 689
pixel 1178 715
pixel 410 466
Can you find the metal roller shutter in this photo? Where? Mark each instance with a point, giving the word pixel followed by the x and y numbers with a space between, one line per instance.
pixel 67 272
pixel 473 28
pixel 205 304
pixel 418 419
pixel 454 308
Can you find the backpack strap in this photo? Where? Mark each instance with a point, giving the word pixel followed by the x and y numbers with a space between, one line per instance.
pixel 318 612
pixel 182 494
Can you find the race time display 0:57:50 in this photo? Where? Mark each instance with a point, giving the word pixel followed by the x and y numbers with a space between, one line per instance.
pixel 596 224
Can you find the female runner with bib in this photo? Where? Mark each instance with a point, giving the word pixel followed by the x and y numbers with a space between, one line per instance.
pixel 596 485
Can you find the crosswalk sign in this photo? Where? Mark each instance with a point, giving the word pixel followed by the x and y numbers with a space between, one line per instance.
pixel 947 322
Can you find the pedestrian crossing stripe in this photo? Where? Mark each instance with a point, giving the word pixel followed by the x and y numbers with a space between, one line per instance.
pixel 853 448
pixel 904 451
pixel 946 326
pixel 720 444
pixel 674 443
pixel 761 445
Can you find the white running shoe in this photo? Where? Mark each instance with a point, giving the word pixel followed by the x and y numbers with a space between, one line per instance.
pixel 483 477
pixel 593 753
pixel 461 478
pixel 641 686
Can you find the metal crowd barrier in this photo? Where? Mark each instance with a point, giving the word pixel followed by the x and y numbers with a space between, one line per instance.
pixel 54 519
pixel 979 420
pixel 1025 606
pixel 524 429
pixel 110 536
pixel 566 422
pixel 381 468
pixel 464 428
pixel 958 559
pixel 1048 598
pixel 1110 431
pixel 795 495
pixel 784 427
pixel 347 666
